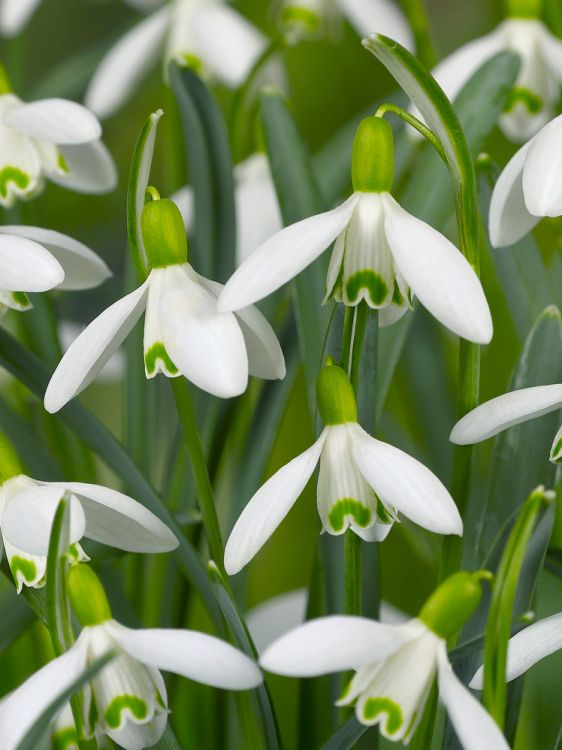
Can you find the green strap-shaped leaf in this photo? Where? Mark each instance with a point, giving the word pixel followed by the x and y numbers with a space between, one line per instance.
pixel 210 173
pixel 138 182
pixel 16 618
pixel 346 737
pixel 58 616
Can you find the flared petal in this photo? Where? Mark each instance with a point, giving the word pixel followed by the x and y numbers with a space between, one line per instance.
pixel 268 507
pixel 58 121
pixel 26 266
pixel 509 219
pixel 21 709
pixel 505 411
pixel 542 186
pixel 117 520
pixel 207 346
pixel 89 168
pixel 474 726
pixel 528 647
pixel 284 255
pixel 228 44
pixel 87 355
pixel 28 518
pixel 404 483
pixel 14 14
pixel 194 655
pixel 378 17
pixel 333 644
pixel 438 274
pixel 127 64
pixel 83 269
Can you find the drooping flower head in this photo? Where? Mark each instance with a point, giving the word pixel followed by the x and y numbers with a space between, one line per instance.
pixel 184 332
pixel 395 665
pixel 363 483
pixel 382 254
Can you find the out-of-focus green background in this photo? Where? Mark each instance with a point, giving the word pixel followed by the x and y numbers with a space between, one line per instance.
pixel 331 80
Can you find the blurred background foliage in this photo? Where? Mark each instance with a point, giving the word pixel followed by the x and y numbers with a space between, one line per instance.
pixel 331 81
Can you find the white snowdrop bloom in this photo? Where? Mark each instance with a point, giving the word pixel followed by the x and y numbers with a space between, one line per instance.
pixel 50 139
pixel 126 700
pixel 33 259
pixel 507 410
pixel 528 647
pixel 395 665
pixel 537 89
pixel 382 254
pixel 255 203
pixel 366 16
pixel 529 187
pixel 363 483
pixel 184 332
pixel 208 35
pixel 27 511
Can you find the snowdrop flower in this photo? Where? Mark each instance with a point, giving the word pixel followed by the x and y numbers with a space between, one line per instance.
pixel 126 700
pixel 529 187
pixel 502 412
pixel 184 332
pixel 28 507
pixel 255 203
pixel 52 139
pixel 537 89
pixel 395 665
pixel 205 34
pixel 366 17
pixel 362 485
pixel 33 259
pixel 382 254
pixel 528 647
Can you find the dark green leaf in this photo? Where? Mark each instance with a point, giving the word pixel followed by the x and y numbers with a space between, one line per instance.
pixel 346 736
pixel 16 618
pixel 168 741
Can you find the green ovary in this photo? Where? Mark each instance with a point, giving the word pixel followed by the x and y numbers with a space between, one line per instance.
pixel 14 176
pixel 137 706
pixel 27 568
pixel 369 280
pixel 349 507
pixel 375 706
pixel 158 352
pixel 66 739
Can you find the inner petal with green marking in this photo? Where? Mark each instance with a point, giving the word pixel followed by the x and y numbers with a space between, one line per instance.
pixel 27 570
pixel 20 162
pixel 157 359
pixel 132 704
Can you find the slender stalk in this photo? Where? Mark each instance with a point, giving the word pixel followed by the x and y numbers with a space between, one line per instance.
pixel 205 495
pixel 415 123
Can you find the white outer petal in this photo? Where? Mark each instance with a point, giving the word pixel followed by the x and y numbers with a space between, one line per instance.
pixel 92 169
pixel 505 411
pixel 28 518
pixel 284 255
pixel 14 14
pixel 207 346
pixel 117 520
pixel 438 274
pixel 334 644
pixel 126 64
pixel 378 17
pixel 268 507
pixel 87 355
pixel 404 483
pixel 83 269
pixel 542 186
pixel 194 655
pixel 26 266
pixel 528 647
pixel 473 724
pixel 509 218
pixel 24 706
pixel 58 121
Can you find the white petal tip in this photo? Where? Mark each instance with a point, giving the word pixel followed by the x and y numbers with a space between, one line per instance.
pixel 477 682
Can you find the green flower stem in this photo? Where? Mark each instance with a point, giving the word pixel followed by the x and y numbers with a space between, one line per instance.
pixel 498 625
pixel 415 123
pixel 205 495
pixel 419 23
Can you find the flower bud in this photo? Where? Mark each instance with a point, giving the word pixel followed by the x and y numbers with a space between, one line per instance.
pixel 336 399
pixel 9 462
pixel 372 166
pixel 453 602
pixel 524 8
pixel 87 595
pixel 163 233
